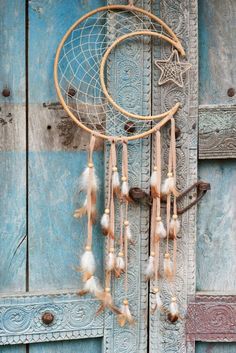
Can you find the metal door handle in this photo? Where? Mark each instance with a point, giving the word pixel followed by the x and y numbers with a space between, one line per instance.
pixel 139 196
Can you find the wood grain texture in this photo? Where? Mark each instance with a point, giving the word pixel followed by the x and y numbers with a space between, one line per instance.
pixel 12 148
pixel 216 242
pixel 203 347
pixel 217 132
pixel 217 50
pixel 83 346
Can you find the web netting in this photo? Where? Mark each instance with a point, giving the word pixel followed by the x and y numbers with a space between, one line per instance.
pixel 79 66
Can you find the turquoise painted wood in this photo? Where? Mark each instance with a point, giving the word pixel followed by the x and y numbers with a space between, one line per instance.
pixel 56 239
pixel 12 152
pixel 217 50
pixel 216 241
pixel 202 347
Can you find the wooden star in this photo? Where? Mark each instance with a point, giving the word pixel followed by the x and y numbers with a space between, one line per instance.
pixel 172 69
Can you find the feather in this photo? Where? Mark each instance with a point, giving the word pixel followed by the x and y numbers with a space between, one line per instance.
pixel 174 226
pixel 158 301
pixel 149 271
pixel 106 302
pixel 85 178
pixel 91 285
pixel 169 186
pixel 87 263
pixel 120 264
pixel 105 222
pixel 173 310
pixel 111 260
pixel 128 233
pixel 160 231
pixel 154 183
pixel 115 181
pixel 125 316
pixel 82 211
pixel 125 189
pixel 168 267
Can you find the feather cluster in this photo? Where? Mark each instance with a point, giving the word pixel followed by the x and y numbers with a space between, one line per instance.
pixel 92 286
pixel 169 186
pixel 107 302
pixel 154 183
pixel 174 226
pixel 105 222
pixel 120 264
pixel 111 261
pixel 128 233
pixel 150 270
pixel 125 189
pixel 160 232
pixel 168 267
pixel 173 310
pixel 87 263
pixel 115 181
pixel 158 300
pixel 125 315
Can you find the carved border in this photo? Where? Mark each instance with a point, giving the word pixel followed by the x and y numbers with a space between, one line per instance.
pixel 134 339
pixel 74 318
pixel 211 318
pixel 217 131
pixel 182 17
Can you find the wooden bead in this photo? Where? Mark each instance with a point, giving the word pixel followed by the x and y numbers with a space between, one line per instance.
pixel 167 256
pixel 152 253
pixel 158 219
pixel 155 290
pixel 107 211
pixel 114 169
pixel 121 254
pixel 90 165
pixel 107 290
pixel 175 216
pixel 124 178
pixel 126 223
pixel 155 168
pixel 169 175
pixel 88 248
pixel 125 302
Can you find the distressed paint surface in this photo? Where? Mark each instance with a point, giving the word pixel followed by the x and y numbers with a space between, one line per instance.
pixel 56 239
pixel 217 49
pixel 216 241
pixel 82 346
pixel 203 347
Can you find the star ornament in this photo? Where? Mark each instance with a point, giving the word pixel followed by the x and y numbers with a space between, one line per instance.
pixel 172 69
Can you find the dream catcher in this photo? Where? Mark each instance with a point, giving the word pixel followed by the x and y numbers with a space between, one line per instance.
pixel 83 67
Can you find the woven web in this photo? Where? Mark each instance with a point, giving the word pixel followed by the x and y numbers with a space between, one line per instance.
pixel 79 64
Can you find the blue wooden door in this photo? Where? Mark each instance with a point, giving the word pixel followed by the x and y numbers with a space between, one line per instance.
pixel 43 154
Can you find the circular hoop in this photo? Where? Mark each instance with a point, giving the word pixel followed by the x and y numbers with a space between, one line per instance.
pixel 175 42
pixel 102 76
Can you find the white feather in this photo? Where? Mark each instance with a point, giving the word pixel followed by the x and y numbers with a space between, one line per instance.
pixel 168 185
pixel 111 261
pixel 174 308
pixel 105 221
pixel 115 180
pixel 125 311
pixel 124 188
pixel 160 230
pixel 92 285
pixel 153 180
pixel 84 179
pixel 120 263
pixel 174 224
pixel 149 271
pixel 158 300
pixel 88 262
pixel 128 233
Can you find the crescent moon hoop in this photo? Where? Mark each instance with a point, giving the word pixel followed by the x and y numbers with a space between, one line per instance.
pixel 173 41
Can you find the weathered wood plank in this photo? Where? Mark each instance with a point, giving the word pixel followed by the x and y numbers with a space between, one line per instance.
pixel 217 51
pixel 74 318
pixel 85 346
pixel 12 147
pixel 217 132
pixel 216 242
pixel 203 347
pixel 56 161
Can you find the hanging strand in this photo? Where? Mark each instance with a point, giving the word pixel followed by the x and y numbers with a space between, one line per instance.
pixel 125 316
pixel 105 297
pixel 88 265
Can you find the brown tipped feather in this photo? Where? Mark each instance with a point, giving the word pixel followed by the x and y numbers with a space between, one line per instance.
pixel 172 318
pixel 80 212
pixel 82 292
pixel 154 192
pixel 118 272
